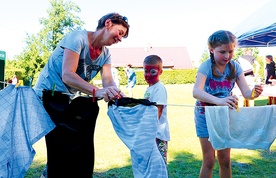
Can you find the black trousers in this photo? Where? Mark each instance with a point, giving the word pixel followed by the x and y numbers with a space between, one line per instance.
pixel 70 146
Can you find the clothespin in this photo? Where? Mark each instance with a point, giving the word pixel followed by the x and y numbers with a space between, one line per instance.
pixel 93 95
pixel 20 82
pixel 238 109
pixel 253 93
pixel 17 84
pixel 53 89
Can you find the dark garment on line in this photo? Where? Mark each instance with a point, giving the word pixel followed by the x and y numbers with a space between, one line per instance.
pixel 127 101
pixel 70 146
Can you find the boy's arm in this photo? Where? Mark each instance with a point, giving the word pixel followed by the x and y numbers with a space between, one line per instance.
pixel 160 109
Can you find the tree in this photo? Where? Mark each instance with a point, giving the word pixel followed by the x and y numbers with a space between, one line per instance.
pixel 11 69
pixel 205 55
pixel 239 52
pixel 61 20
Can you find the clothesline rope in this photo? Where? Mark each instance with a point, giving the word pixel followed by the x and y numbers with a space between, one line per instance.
pixel 182 105
pixel 70 94
pixel 185 105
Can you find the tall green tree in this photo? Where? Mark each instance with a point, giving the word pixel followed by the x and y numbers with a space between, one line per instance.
pixel 239 52
pixel 205 55
pixel 62 18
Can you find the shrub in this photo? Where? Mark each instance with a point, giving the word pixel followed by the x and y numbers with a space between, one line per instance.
pixel 183 76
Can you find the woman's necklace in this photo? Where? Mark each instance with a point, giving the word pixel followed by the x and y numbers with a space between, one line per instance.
pixel 94 53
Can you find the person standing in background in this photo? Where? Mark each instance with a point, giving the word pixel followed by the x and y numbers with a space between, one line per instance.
pixel 269 69
pixel 251 68
pixel 247 62
pixel 131 79
pixel 115 75
pixel 14 80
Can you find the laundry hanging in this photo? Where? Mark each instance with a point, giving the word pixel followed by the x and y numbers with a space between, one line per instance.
pixel 23 121
pixel 250 127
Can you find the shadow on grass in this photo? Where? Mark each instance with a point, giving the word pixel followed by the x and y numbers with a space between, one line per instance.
pixel 262 166
pixel 185 165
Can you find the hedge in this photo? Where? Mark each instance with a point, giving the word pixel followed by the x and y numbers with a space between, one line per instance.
pixel 183 76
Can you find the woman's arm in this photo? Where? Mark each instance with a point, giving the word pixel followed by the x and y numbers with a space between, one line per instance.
pixel 108 83
pixel 69 76
pixel 107 79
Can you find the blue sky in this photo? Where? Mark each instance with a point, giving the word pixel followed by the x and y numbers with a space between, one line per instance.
pixel 160 23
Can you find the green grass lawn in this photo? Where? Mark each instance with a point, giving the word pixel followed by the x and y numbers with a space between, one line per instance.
pixel 112 159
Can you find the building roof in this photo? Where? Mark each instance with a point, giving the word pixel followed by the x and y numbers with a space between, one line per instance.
pixel 173 57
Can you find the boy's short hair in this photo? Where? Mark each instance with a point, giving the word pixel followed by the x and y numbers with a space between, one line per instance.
pixel 153 60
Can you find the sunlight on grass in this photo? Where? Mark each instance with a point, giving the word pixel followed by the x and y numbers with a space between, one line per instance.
pixel 244 155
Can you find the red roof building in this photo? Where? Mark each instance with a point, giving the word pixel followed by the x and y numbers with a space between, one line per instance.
pixel 173 57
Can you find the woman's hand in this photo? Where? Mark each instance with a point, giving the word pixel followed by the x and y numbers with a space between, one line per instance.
pixel 109 93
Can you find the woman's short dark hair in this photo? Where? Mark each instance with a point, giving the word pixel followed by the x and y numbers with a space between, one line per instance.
pixel 115 19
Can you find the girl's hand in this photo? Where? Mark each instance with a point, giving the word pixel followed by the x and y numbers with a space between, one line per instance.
pixel 230 101
pixel 256 91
